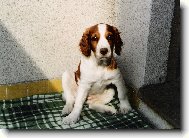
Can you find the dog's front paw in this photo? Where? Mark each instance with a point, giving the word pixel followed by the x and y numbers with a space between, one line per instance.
pixel 70 119
pixel 67 109
pixel 124 108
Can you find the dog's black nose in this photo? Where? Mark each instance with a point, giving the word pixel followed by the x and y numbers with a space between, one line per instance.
pixel 103 51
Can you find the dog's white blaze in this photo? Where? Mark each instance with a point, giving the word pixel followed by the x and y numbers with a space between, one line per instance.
pixel 103 42
pixel 102 29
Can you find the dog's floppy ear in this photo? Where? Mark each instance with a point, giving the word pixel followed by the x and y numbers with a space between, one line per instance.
pixel 117 40
pixel 85 43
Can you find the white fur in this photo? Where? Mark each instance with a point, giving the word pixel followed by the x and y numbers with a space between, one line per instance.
pixel 92 86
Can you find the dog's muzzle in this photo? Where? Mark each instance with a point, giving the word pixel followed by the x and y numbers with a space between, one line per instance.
pixel 104 61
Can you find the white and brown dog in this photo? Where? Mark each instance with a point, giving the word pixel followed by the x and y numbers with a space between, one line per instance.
pixel 96 71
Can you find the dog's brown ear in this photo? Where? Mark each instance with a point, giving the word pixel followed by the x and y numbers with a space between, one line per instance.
pixel 117 40
pixel 85 44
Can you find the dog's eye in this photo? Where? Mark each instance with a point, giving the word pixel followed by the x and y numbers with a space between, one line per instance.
pixel 109 37
pixel 94 38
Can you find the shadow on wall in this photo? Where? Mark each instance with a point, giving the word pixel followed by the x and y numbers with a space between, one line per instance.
pixel 15 65
pixel 146 25
pixel 133 19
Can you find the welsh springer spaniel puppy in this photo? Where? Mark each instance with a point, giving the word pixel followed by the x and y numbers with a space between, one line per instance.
pixel 96 71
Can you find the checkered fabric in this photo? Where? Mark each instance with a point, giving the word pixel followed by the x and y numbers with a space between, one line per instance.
pixel 44 112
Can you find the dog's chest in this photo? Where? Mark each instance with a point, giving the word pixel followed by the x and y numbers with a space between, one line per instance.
pixel 100 81
pixel 97 77
pixel 98 86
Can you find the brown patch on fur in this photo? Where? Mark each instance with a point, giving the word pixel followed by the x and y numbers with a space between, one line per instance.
pixel 94 40
pixel 84 44
pixel 116 39
pixel 113 36
pixel 77 73
pixel 110 37
pixel 113 64
pixel 89 40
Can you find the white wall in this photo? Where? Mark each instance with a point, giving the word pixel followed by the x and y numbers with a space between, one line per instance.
pixel 43 35
pixel 39 38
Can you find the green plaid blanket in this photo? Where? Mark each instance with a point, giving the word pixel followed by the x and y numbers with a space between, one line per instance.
pixel 44 112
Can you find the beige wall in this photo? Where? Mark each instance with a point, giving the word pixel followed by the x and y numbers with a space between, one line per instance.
pixel 47 33
pixel 39 38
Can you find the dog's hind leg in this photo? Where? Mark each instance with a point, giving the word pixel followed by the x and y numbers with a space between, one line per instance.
pixel 69 88
pixel 97 101
pixel 102 108
pixel 102 98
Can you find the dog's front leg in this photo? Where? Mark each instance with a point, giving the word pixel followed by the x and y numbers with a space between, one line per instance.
pixel 81 96
pixel 122 95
